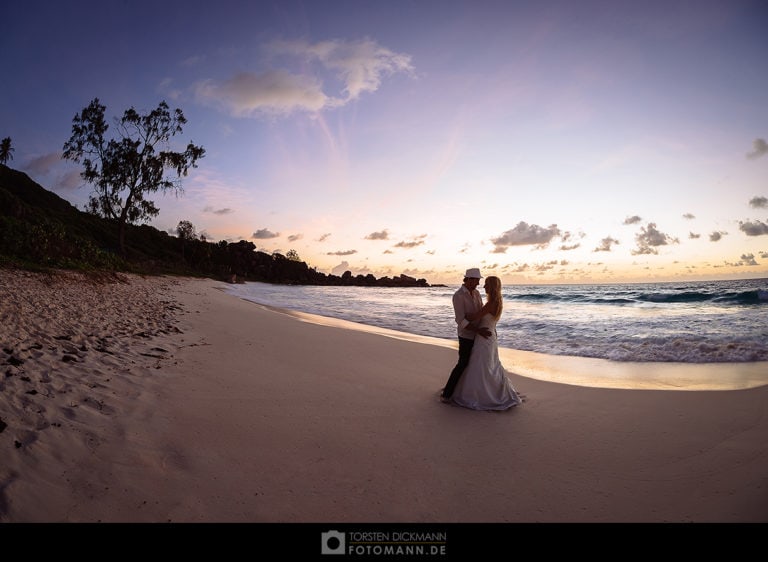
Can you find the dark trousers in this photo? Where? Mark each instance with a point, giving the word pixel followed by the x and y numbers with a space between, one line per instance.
pixel 465 350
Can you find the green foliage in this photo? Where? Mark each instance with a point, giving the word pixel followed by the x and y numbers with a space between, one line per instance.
pixel 6 150
pixel 126 169
pixel 186 230
pixel 39 229
pixel 50 243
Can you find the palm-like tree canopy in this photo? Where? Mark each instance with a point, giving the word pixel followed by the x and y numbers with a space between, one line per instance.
pixel 5 150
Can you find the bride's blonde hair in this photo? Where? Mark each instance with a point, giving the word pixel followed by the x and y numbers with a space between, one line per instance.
pixel 493 286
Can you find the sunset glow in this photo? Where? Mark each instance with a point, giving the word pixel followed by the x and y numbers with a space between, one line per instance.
pixel 543 142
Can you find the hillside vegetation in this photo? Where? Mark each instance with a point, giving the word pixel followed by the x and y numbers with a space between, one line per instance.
pixel 39 229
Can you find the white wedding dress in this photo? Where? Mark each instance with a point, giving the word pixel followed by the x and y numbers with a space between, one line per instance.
pixel 484 384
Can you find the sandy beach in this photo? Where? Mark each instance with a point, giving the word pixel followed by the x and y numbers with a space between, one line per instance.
pixel 132 399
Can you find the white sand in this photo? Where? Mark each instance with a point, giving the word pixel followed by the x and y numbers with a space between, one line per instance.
pixel 230 412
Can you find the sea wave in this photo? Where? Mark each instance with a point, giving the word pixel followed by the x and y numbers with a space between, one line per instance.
pixel 757 296
pixel 706 322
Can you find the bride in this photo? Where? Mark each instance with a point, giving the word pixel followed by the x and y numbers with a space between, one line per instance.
pixel 484 384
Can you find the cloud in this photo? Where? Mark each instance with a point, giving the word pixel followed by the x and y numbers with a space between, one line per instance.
pixel 42 165
pixel 360 66
pixel 167 88
pixel 758 202
pixel 194 60
pixel 649 238
pixel 324 237
pixel 632 220
pixel 520 268
pixel 50 164
pixel 264 234
pixel 748 259
pixel 410 244
pixel 605 244
pixel 689 216
pixel 341 268
pixel 294 237
pixel 756 228
pixel 275 91
pixel 693 236
pixel 764 255
pixel 224 211
pixel 745 260
pixel 544 266
pixel 524 235
pixel 759 148
pixel 566 237
pixel 342 253
pixel 69 181
pixel 381 235
pixel 716 236
pixel 417 241
pixel 465 249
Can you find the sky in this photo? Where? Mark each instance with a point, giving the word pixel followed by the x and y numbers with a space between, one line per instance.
pixel 542 141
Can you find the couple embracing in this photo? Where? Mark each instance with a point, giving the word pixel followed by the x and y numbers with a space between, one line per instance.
pixel 478 380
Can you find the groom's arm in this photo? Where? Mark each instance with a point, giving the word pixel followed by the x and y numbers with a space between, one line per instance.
pixel 460 312
pixel 483 331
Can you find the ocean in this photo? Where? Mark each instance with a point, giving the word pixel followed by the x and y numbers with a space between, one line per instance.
pixel 688 322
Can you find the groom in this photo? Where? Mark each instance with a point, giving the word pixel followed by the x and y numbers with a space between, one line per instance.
pixel 466 300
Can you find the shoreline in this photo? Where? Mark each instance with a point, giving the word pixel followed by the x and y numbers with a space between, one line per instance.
pixel 252 416
pixel 577 370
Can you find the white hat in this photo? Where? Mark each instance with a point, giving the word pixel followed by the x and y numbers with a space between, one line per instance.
pixel 473 273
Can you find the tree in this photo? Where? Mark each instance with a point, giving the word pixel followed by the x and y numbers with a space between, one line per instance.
pixel 5 150
pixel 125 169
pixel 186 230
pixel 293 255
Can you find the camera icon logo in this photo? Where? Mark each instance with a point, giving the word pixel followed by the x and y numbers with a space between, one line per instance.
pixel 333 542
